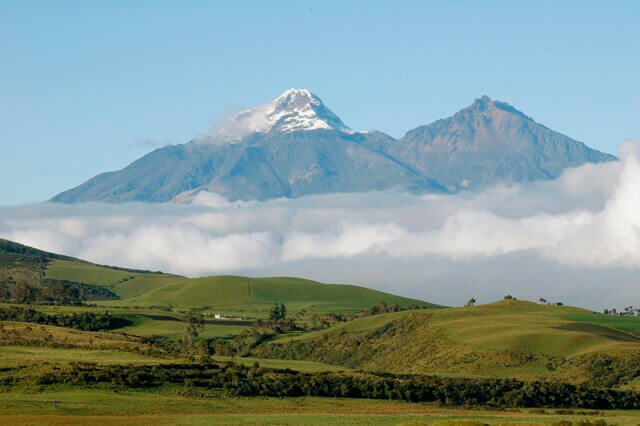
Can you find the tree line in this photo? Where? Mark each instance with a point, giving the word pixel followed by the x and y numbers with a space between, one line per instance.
pixel 238 380
pixel 85 321
pixel 51 291
pixel 628 311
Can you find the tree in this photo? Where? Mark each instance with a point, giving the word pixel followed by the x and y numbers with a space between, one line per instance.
pixel 191 334
pixel 278 311
pixel 508 297
pixel 471 302
pixel 543 301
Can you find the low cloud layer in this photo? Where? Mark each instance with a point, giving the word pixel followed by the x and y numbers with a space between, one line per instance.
pixel 577 237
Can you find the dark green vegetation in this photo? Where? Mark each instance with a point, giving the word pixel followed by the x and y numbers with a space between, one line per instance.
pixel 238 380
pixel 87 321
pixel 103 331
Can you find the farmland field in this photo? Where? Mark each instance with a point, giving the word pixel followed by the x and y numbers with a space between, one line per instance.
pixel 176 350
pixel 148 408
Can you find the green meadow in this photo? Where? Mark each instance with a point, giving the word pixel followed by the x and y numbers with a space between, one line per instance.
pixel 327 329
pixel 152 408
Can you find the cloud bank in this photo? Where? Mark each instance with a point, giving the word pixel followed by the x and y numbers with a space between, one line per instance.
pixel 576 237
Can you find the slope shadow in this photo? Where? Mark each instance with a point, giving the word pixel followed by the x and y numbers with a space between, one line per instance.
pixel 599 330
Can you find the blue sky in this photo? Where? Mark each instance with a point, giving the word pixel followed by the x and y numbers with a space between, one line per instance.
pixel 87 87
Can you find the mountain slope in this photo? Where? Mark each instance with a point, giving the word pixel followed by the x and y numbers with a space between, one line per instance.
pixel 490 142
pixel 296 146
pixel 291 147
pixel 262 166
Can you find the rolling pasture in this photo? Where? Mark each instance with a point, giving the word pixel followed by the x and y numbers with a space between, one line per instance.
pixel 510 338
pixel 371 332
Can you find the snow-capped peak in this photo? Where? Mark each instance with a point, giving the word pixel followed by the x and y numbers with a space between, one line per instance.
pixel 294 110
pixel 299 109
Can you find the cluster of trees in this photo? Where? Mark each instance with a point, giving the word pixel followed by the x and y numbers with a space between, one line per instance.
pixel 628 311
pixel 278 311
pixel 50 291
pixel 542 300
pixel 382 308
pixel 86 321
pixel 191 347
pixel 256 381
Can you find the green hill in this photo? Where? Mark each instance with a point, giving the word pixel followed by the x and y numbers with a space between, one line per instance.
pixel 22 265
pixel 503 339
pixel 125 283
pixel 234 295
pixel 228 291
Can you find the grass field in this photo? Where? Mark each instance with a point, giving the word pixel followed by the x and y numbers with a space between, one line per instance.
pixel 24 355
pixel 503 339
pixel 146 327
pixel 444 341
pixel 229 295
pixel 142 322
pixel 150 408
pixel 232 291
pixel 125 284
pixel 47 335
pixel 86 273
pixel 526 326
pixel 506 339
pixel 626 324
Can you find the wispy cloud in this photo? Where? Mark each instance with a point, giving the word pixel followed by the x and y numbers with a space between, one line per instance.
pixel 237 123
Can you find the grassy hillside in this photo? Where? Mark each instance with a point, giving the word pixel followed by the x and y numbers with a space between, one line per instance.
pixel 152 371
pixel 39 270
pixel 234 295
pixel 502 339
pixel 241 292
pixel 124 283
pixel 7 246
pixel 29 334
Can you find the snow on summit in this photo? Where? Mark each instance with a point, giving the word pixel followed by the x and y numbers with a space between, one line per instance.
pixel 293 110
pixel 299 109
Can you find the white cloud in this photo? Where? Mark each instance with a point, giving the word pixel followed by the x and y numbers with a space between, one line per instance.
pixel 582 229
pixel 237 124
